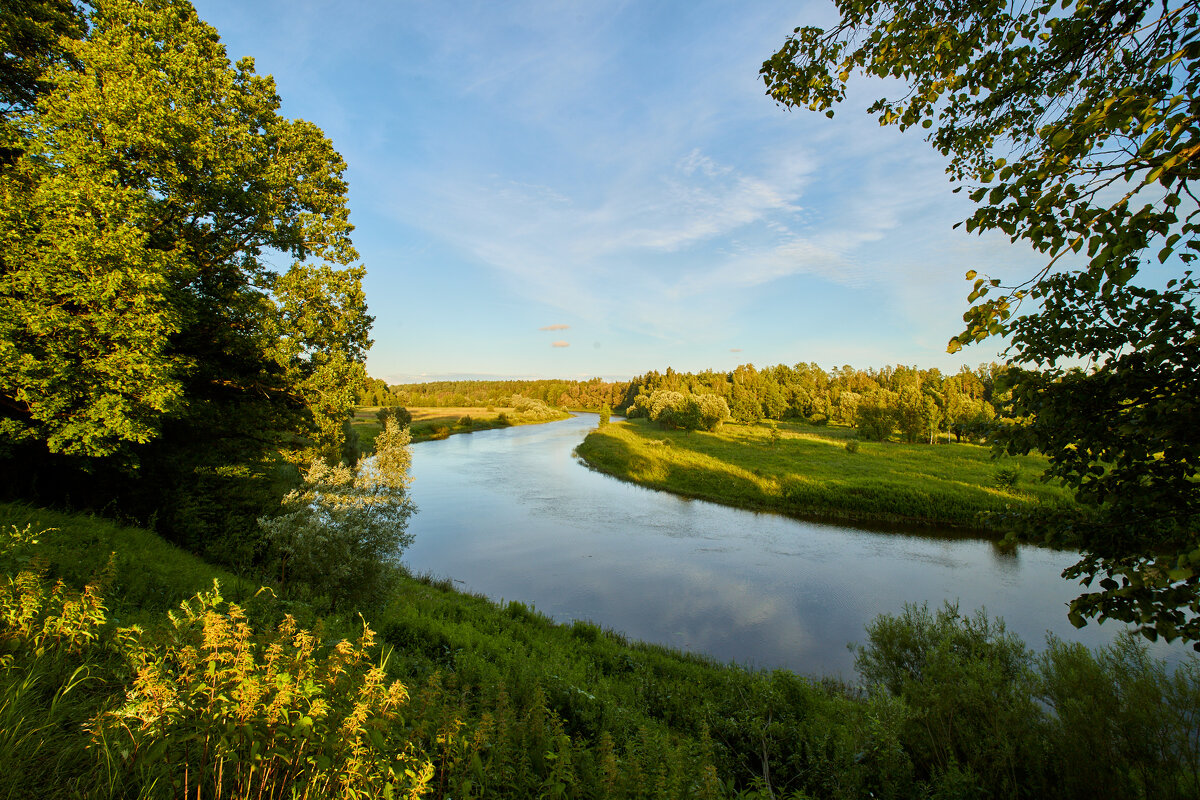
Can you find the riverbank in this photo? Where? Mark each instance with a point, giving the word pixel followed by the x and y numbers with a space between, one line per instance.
pixel 822 473
pixel 502 702
pixel 431 423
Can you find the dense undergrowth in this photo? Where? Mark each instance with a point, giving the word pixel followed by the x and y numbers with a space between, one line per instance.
pixel 823 472
pixel 440 694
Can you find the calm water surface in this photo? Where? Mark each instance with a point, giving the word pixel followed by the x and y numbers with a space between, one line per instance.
pixel 513 515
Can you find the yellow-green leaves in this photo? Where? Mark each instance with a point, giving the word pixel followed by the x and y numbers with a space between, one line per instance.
pixel 134 294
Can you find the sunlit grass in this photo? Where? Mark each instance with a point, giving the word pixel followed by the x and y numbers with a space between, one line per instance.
pixel 809 472
pixel 442 422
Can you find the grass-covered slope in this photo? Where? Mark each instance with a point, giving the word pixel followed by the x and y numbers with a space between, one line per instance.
pixel 810 472
pixel 498 701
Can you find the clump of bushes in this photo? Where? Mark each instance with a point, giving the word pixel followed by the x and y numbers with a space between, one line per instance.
pixel 526 409
pixel 989 718
pixel 687 412
pixel 1007 477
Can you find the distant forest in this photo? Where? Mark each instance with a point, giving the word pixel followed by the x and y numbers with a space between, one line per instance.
pixel 917 399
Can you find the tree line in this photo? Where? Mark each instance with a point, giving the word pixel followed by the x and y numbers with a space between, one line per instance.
pixel 588 395
pixel 919 403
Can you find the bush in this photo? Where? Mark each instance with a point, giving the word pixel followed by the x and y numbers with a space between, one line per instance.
pixel 340 535
pixel 969 687
pixel 876 415
pixel 1007 477
pixel 852 446
pixel 465 421
pixel 1120 722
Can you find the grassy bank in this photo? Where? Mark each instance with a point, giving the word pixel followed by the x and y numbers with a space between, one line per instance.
pixel 442 422
pixel 502 702
pixel 810 472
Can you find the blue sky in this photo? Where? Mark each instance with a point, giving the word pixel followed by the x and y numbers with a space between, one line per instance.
pixel 578 189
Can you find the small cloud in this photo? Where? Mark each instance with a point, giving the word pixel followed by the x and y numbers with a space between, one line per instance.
pixel 560 343
pixel 735 349
pixel 559 327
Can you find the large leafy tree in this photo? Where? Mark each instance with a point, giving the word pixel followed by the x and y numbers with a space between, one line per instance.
pixel 144 321
pixel 1075 126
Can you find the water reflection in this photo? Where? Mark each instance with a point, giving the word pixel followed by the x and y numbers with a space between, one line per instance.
pixel 513 515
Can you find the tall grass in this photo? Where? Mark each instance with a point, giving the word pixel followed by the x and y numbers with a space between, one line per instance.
pixel 814 472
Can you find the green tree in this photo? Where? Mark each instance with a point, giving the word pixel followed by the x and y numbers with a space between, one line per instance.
pixel 876 415
pixel 140 321
pixel 1075 127
pixel 713 411
pixel 917 414
pixel 31 40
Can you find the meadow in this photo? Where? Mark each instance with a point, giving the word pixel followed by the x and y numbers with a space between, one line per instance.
pixel 430 423
pixel 823 472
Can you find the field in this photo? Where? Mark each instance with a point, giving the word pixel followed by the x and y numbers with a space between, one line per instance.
pixel 809 471
pixel 441 422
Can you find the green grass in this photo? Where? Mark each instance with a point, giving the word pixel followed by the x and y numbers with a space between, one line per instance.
pixel 809 472
pixel 506 703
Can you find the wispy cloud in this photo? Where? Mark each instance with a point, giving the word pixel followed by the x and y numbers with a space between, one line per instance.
pixel 560 343
pixel 558 327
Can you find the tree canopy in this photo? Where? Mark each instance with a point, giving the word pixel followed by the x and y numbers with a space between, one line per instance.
pixel 148 311
pixel 1074 127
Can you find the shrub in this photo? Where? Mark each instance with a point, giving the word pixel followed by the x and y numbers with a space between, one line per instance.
pixel 969 687
pixel 216 711
pixel 1120 721
pixel 49 639
pixel 852 446
pixel 465 421
pixel 1007 477
pixel 340 533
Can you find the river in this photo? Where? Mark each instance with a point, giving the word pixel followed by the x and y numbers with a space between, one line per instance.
pixel 512 514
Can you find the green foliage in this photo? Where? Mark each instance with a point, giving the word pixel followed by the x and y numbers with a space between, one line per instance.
pixel 499 701
pixel 681 411
pixel 807 474
pixel 1121 723
pixel 216 709
pixel 1007 477
pixel 969 687
pixel 876 415
pixel 1121 437
pixel 1074 125
pixel 605 414
pixel 526 409
pixel 341 535
pixel 852 445
pixel 401 414
pixel 139 323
